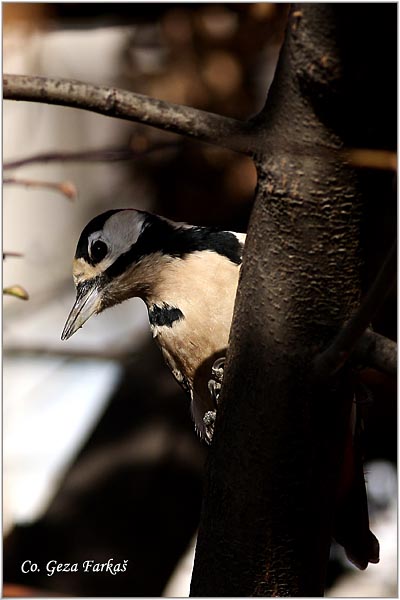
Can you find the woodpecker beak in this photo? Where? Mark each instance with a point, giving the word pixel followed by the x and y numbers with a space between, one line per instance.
pixel 87 303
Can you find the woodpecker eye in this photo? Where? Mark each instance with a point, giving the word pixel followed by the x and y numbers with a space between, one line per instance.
pixel 98 250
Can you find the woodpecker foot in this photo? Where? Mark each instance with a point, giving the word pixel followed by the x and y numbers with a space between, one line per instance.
pixel 209 422
pixel 215 383
pixel 214 387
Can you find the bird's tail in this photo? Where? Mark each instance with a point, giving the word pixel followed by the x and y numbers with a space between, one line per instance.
pixel 351 524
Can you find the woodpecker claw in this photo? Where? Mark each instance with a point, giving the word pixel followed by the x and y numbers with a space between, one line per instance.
pixel 215 383
pixel 218 368
pixel 209 422
pixel 214 387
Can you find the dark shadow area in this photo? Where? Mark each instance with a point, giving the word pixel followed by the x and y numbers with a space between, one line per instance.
pixel 133 493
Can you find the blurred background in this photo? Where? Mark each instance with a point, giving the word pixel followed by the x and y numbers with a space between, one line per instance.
pixel 100 459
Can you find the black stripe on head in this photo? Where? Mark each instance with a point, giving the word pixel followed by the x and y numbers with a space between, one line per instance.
pixel 177 241
pixel 95 224
pixel 166 238
pixel 164 315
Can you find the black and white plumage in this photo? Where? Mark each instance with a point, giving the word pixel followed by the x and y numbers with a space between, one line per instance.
pixel 186 275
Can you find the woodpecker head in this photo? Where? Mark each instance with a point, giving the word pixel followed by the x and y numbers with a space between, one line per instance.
pixel 103 255
pixel 125 253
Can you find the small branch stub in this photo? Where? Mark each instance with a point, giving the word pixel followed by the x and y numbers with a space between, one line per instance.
pixel 66 188
pixel 376 351
pixel 17 291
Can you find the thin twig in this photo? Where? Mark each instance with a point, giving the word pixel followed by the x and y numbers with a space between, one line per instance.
pixel 371 159
pixel 331 359
pixel 7 254
pixel 376 351
pixel 208 127
pixel 121 356
pixel 66 188
pixel 100 155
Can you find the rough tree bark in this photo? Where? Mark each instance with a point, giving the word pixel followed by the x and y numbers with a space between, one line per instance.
pixel 279 441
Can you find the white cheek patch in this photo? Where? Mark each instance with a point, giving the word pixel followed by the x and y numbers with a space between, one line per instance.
pixel 123 229
pixel 120 232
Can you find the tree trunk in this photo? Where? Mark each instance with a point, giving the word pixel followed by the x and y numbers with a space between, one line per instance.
pixel 280 434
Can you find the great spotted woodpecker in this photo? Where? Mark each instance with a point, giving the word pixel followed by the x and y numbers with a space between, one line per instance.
pixel 187 277
pixel 181 272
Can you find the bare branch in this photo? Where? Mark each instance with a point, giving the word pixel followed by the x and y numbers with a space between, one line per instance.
pixel 205 126
pixel 329 361
pixel 100 155
pixel 202 125
pixel 66 188
pixel 376 351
